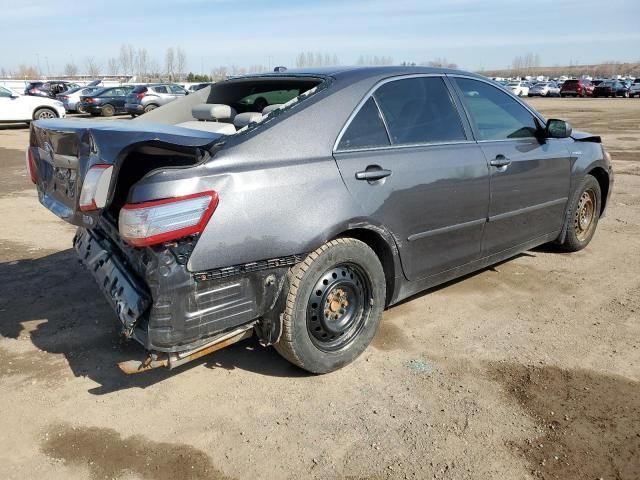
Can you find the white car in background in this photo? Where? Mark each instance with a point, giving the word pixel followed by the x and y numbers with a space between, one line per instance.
pixel 634 89
pixel 23 108
pixel 544 89
pixel 519 88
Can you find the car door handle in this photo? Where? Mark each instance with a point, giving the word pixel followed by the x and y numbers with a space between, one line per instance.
pixel 373 173
pixel 500 161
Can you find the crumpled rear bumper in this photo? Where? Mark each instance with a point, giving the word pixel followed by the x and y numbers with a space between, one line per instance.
pixel 165 307
pixel 128 297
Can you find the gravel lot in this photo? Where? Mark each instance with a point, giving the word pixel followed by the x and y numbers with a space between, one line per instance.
pixel 529 369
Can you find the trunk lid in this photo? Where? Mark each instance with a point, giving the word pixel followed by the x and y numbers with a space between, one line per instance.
pixel 64 150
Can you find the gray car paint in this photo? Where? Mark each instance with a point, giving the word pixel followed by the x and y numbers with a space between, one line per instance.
pixel 284 191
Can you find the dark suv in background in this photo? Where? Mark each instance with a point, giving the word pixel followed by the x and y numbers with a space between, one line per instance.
pixel 145 98
pixel 576 88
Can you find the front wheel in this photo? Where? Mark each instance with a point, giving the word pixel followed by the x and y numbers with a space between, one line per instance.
pixel 583 215
pixel 334 304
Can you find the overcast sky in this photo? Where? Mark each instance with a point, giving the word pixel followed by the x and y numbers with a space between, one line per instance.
pixel 474 34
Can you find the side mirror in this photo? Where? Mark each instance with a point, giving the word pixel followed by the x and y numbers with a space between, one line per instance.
pixel 558 129
pixel 14 95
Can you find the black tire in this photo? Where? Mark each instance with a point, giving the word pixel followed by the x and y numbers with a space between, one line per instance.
pixel 108 110
pixel 626 95
pixel 343 277
pixel 44 114
pixel 583 215
pixel 151 106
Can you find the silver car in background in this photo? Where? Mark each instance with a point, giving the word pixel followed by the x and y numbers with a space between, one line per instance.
pixel 71 98
pixel 145 98
pixel 544 89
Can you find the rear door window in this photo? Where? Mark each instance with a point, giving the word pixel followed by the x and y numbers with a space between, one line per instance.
pixel 419 110
pixel 496 114
pixel 160 89
pixel 366 130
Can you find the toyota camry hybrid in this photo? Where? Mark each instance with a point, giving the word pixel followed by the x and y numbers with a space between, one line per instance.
pixel 298 205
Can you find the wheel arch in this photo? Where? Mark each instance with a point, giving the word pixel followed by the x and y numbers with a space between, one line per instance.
pixel 602 177
pixel 385 249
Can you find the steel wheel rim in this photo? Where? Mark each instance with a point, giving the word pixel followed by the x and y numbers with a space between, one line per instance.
pixel 338 307
pixel 45 115
pixel 585 214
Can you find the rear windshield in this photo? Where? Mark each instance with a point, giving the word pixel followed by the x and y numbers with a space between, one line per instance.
pixel 139 89
pixel 571 82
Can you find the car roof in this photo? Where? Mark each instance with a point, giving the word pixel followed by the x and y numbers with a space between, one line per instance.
pixel 344 72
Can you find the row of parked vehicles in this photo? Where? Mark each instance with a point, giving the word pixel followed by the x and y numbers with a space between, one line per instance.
pixel 576 88
pixel 97 99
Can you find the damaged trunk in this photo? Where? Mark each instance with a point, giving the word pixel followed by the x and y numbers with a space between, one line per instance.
pixel 62 152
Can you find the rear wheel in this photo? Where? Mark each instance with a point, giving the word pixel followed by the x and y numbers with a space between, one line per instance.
pixel 44 114
pixel 334 304
pixel 108 110
pixel 584 212
pixel 150 107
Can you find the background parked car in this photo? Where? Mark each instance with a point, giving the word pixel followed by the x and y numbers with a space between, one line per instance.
pixel 576 88
pixel 544 89
pixel 145 98
pixel 106 101
pixel 48 89
pixel 199 86
pixel 23 108
pixel 519 88
pixel 634 89
pixel 71 98
pixel 612 88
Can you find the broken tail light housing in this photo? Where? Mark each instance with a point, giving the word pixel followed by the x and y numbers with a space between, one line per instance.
pixel 95 187
pixel 159 221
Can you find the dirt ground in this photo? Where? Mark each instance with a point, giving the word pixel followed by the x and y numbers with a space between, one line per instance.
pixel 529 369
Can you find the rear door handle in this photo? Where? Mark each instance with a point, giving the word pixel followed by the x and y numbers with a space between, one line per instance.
pixel 373 173
pixel 500 161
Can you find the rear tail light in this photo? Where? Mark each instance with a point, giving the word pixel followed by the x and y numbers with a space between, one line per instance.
pixel 150 223
pixel 64 97
pixel 31 165
pixel 140 95
pixel 95 187
pixel 89 100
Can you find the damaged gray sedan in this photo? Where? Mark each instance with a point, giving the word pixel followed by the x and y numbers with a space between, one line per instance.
pixel 298 205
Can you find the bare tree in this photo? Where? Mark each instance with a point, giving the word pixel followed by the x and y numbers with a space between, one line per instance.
pixel 70 70
pixel 92 68
pixel 27 71
pixel 3 73
pixel 441 63
pixel 143 63
pixel 127 59
pixel 170 63
pixel 181 62
pixel 219 73
pixel 112 66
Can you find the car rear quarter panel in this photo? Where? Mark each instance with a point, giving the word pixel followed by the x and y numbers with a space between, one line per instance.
pixel 280 189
